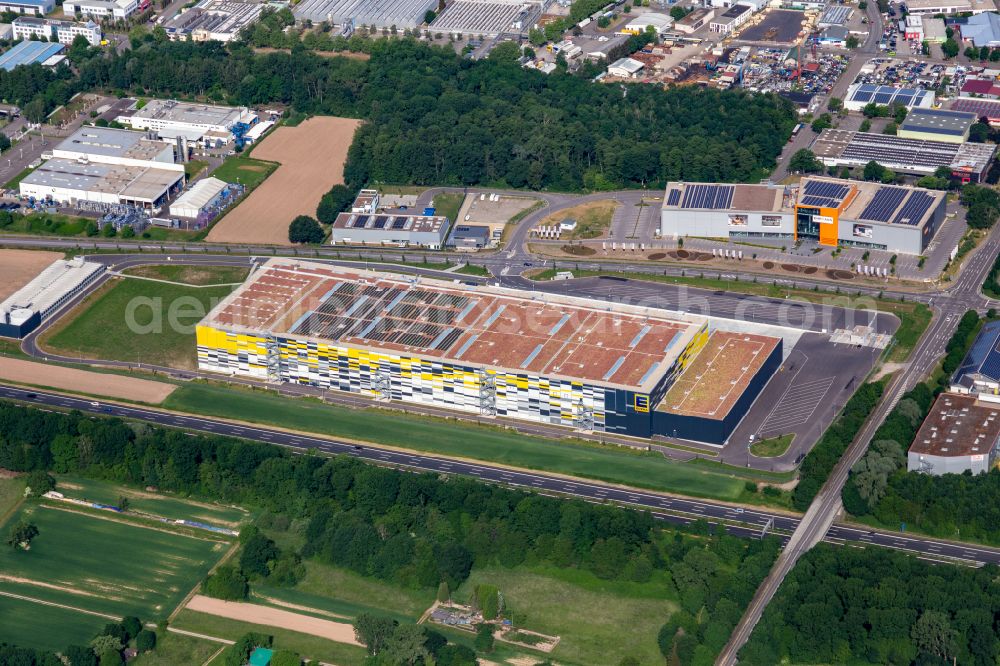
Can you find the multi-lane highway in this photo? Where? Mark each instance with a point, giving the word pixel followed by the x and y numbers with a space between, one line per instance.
pixel 741 521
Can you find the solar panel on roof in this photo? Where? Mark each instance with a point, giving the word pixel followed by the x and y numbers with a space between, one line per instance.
pixel 863 97
pixel 884 204
pixel 398 223
pixel 867 87
pixel 674 197
pixel 914 209
pixel 882 98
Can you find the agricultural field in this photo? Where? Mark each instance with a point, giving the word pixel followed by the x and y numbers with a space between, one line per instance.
pixel 246 171
pixel 173 648
pixel 587 614
pixel 312 157
pixel 64 378
pixel 199 276
pixel 98 565
pixel 138 321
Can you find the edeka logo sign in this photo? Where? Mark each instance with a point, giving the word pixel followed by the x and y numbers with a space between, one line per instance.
pixel 641 403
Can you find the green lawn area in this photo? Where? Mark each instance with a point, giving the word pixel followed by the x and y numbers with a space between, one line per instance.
pixel 13 183
pixel 167 506
pixel 245 170
pixel 32 625
pixel 11 492
pixel 309 647
pixel 138 321
pixel 473 269
pixel 194 275
pixel 448 205
pixel 457 438
pixel 914 317
pixel 771 447
pixel 46 224
pixel 104 563
pixel 595 627
pixel 347 593
pixel 194 167
pixel 172 649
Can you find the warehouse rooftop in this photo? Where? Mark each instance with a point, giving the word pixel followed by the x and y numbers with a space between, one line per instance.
pixel 958 425
pixel 718 375
pixel 870 202
pixel 861 147
pixel 391 222
pixel 711 196
pixel 115 143
pixel 129 182
pixel 938 121
pixel 171 111
pixel 481 326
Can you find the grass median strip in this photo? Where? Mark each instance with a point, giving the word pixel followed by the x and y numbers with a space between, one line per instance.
pixel 486 443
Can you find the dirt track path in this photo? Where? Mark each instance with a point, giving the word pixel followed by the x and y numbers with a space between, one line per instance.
pixel 340 632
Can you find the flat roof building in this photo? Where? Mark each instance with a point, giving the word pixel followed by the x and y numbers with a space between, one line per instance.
pixel 485 350
pixel 200 123
pixel 731 19
pixel 937 125
pixel 859 95
pixel 191 203
pixel 661 23
pixel 380 13
pixel 64 32
pixel 831 211
pixel 487 17
pixel 932 7
pixel 835 15
pixel 402 228
pixel 979 373
pixel 626 68
pixel 116 10
pixel 109 145
pixel 469 237
pixel 694 20
pixel 968 161
pixel 28 7
pixel 958 435
pixel 29 53
pixel 219 20
pixel 24 310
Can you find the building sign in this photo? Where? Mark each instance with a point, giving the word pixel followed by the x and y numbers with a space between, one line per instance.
pixel 738 220
pixel 770 220
pixel 641 403
pixel 822 219
pixel 978 458
pixel 862 231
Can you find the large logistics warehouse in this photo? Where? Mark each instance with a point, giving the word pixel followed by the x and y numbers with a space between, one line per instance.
pixel 25 309
pixel 829 210
pixel 488 350
pixel 968 161
pixel 402 14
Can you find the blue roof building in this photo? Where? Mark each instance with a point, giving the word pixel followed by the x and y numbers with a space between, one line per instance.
pixel 980 369
pixel 27 53
pixel 28 7
pixel 981 29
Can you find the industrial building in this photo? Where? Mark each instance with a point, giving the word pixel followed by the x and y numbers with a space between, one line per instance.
pixel 979 374
pixel 488 17
pixel 207 124
pixel 731 19
pixel 987 109
pixel 980 89
pixel 828 210
pixel 24 310
pixel 107 166
pixel 625 68
pixel 206 198
pixel 835 15
pixel 28 7
pixel 469 237
pixel 30 53
pixel 219 20
pixel 404 14
pixel 968 161
pixel 489 351
pixel 401 228
pixel 694 20
pixel 661 23
pixel 981 29
pixel 937 125
pixel 934 7
pixel 64 32
pixel 860 95
pixel 115 10
pixel 959 435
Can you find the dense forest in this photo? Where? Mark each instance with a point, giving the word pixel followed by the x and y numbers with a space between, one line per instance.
pixel 413 530
pixel 877 606
pixel 951 505
pixel 437 118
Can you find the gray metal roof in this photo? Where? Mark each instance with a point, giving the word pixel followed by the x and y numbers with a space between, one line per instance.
pixel 938 121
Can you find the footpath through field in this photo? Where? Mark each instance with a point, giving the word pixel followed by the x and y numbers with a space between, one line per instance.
pixel 340 632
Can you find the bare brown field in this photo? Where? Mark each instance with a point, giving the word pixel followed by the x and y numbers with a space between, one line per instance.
pixel 19 267
pixel 94 383
pixel 312 158
pixel 340 632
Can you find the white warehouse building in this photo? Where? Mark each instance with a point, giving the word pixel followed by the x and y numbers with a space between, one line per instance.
pixel 207 124
pixel 64 32
pixel 116 10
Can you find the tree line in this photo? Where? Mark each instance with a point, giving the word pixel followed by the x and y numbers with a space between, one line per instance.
pixel 412 530
pixel 437 118
pixel 878 606
pixel 106 649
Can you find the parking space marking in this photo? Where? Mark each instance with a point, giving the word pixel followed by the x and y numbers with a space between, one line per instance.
pixel 797 405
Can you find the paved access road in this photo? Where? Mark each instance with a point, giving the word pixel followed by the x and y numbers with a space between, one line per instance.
pixel 739 520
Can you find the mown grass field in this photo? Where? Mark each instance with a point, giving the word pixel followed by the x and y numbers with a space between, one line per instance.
pixel 157 504
pixel 456 439
pixel 11 491
pixel 309 647
pixel 199 276
pixel 104 563
pixel 448 204
pixel 246 170
pixel 598 622
pixel 138 321
pixel 348 593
